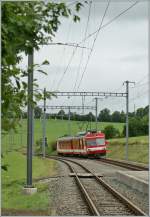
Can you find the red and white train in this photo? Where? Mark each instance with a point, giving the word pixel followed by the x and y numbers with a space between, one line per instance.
pixel 84 144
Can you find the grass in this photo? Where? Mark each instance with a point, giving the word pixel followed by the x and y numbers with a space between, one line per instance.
pixel 54 129
pixel 14 179
pixel 137 149
pixel 14 144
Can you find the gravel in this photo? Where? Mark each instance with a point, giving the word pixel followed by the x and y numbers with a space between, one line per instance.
pixel 65 197
pixel 139 199
pixel 105 202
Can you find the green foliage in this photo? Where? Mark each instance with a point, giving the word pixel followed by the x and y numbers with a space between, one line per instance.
pixel 116 116
pixel 137 126
pixel 104 115
pixel 37 112
pixel 25 26
pixel 111 132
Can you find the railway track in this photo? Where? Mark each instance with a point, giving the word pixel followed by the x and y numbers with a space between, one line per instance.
pixel 126 165
pixel 100 197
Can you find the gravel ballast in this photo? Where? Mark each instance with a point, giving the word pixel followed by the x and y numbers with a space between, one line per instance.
pixel 65 197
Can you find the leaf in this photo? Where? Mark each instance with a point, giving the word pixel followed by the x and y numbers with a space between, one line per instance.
pixel 18 84
pixel 5 167
pixel 78 6
pixel 76 18
pixel 40 70
pixel 46 62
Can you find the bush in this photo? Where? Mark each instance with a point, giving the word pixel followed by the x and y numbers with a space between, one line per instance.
pixel 137 126
pixel 53 146
pixel 111 132
pixel 38 147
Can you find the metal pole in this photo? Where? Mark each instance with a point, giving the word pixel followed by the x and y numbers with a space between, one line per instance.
pixel 69 124
pixel 83 98
pixel 21 131
pixel 30 120
pixel 33 134
pixel 96 104
pixel 44 123
pixel 127 116
pixel 90 122
pixel 127 119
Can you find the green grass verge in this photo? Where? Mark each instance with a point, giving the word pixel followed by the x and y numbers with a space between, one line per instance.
pixel 14 179
pixel 137 150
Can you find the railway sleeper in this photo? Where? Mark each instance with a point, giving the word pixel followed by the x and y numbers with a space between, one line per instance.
pixel 85 175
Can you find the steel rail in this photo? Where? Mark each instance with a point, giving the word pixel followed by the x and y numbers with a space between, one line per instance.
pixel 124 164
pixel 119 196
pixel 85 194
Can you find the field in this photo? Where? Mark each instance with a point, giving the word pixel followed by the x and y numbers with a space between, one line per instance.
pixel 54 129
pixel 137 150
pixel 14 180
pixel 14 147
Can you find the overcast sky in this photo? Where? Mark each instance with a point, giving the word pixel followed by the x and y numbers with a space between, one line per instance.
pixel 120 53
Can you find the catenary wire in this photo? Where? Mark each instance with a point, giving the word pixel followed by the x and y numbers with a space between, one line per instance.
pixel 86 28
pixel 94 43
pixel 103 26
pixel 109 22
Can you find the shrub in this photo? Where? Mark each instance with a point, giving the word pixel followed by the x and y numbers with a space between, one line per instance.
pixel 111 132
pixel 137 126
pixel 53 145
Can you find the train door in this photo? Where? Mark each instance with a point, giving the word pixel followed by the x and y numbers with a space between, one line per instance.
pixel 71 146
pixel 84 146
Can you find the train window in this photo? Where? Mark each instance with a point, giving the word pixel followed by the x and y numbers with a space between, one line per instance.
pixel 100 141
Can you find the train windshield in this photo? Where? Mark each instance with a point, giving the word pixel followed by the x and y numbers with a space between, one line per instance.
pixel 95 142
pixel 100 141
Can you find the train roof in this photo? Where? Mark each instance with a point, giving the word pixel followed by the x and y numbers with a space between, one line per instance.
pixel 81 135
pixel 69 138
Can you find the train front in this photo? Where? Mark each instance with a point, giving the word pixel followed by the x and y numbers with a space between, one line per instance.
pixel 96 144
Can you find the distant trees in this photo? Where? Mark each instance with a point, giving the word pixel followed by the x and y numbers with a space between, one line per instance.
pixel 104 115
pixel 116 117
pixel 37 112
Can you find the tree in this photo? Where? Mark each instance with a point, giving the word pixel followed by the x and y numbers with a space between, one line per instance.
pixel 137 126
pixel 140 112
pixel 122 117
pixel 104 115
pixel 116 116
pixel 90 117
pixel 146 110
pixel 61 112
pixel 37 112
pixel 25 26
